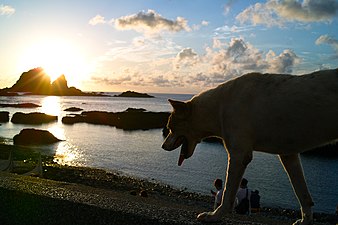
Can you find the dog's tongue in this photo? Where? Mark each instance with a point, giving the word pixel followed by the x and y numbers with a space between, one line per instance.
pixel 181 159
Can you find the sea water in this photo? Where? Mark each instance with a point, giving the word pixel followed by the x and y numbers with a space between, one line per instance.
pixel 139 153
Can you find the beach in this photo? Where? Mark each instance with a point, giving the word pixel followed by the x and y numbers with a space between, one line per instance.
pixel 79 195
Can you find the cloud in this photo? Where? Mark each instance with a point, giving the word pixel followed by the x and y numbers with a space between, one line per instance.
pixel 98 19
pixel 151 22
pixel 259 14
pixel 193 72
pixel 112 81
pixel 226 30
pixel 227 6
pixel 6 10
pixel 225 60
pixel 326 39
pixel 282 63
pixel 144 49
pixel 204 23
pixel 238 57
pixel 186 57
pixel 307 11
pixel 279 12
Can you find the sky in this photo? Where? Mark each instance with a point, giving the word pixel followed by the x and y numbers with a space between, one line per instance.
pixel 165 46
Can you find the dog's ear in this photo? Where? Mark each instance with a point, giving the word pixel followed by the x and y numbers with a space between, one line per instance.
pixel 182 109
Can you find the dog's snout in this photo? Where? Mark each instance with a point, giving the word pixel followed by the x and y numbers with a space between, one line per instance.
pixel 168 143
pixel 164 146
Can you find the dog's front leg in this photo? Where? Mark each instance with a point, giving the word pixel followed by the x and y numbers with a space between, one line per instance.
pixel 293 167
pixel 235 170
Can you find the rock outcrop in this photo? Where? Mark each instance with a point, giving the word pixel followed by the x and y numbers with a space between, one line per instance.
pixel 34 137
pixel 73 109
pixel 133 94
pixel 32 118
pixel 133 119
pixel 4 117
pixel 20 105
pixel 37 82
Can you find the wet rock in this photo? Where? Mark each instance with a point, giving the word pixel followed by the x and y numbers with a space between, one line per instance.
pixel 34 137
pixel 132 119
pixel 71 119
pixel 4 117
pixel 135 110
pixel 20 105
pixel 73 109
pixel 32 118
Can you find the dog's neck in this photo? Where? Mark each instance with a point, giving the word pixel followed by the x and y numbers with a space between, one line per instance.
pixel 207 112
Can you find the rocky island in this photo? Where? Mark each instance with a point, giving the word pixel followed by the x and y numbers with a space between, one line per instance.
pixel 133 94
pixel 37 82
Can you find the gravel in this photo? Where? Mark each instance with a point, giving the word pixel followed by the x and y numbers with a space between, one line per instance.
pixel 81 195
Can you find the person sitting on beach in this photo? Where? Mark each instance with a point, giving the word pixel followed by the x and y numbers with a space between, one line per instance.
pixel 218 183
pixel 242 204
pixel 255 201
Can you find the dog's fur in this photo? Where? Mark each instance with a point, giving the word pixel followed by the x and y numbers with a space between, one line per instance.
pixel 273 113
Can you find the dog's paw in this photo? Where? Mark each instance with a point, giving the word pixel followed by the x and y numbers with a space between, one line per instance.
pixel 208 217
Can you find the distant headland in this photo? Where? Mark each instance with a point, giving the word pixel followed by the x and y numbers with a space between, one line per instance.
pixel 133 94
pixel 37 82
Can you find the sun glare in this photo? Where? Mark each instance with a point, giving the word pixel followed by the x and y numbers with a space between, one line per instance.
pixel 51 105
pixel 57 57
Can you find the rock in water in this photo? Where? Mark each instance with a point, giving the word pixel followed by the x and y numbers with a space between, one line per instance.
pixel 73 109
pixel 4 117
pixel 34 137
pixel 32 118
pixel 133 94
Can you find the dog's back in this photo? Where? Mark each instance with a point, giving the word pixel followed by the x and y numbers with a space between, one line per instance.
pixel 283 112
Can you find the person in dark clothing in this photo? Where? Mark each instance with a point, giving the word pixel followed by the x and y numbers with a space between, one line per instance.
pixel 255 201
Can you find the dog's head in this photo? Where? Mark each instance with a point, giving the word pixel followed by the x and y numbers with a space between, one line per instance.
pixel 180 130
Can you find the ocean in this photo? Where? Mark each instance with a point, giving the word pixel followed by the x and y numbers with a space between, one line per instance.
pixel 139 153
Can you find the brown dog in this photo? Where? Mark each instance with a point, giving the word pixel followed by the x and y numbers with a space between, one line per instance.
pixel 273 113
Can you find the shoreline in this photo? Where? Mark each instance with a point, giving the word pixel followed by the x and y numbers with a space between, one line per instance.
pixel 163 202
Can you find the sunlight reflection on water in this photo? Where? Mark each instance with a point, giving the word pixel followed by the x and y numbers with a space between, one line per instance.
pixel 51 105
pixel 57 131
pixel 67 154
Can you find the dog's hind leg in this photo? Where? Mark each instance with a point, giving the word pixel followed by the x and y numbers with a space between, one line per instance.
pixel 293 167
pixel 237 164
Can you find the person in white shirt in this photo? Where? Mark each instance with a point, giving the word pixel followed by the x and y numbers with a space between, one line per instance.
pixel 243 193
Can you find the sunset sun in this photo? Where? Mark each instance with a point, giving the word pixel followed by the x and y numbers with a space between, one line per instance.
pixel 56 57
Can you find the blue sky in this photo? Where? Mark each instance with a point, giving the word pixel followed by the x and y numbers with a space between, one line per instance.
pixel 171 46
